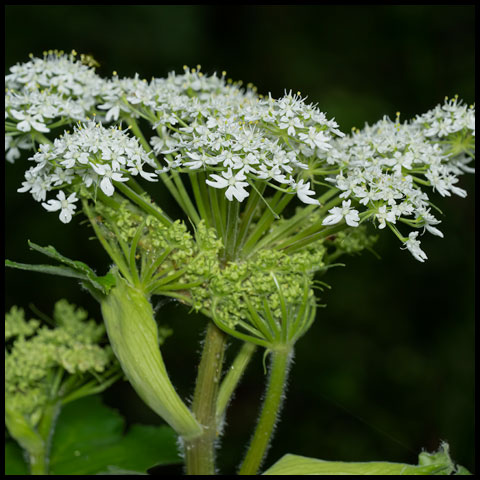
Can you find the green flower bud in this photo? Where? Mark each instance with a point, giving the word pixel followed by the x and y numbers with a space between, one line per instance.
pixel 272 321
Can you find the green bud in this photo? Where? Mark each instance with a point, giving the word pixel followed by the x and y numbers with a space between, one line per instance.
pixel 273 321
pixel 133 334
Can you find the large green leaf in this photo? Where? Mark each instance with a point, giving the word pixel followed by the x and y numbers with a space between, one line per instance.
pixel 14 459
pixel 438 463
pixel 89 439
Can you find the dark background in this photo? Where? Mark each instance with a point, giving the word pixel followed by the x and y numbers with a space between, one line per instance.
pixel 387 369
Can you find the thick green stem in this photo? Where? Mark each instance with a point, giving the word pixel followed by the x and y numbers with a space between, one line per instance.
pixel 200 452
pixel 257 450
pixel 45 429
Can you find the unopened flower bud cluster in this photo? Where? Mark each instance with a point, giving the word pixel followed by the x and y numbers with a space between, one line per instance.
pixel 218 289
pixel 195 255
pixel 252 279
pixel 34 353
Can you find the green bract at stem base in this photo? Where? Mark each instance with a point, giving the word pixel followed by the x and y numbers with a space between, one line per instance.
pixel 133 335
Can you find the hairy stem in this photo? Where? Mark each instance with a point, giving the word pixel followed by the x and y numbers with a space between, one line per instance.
pixel 232 378
pixel 200 452
pixel 259 444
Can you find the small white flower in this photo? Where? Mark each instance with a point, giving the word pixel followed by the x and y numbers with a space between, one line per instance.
pixel 65 205
pixel 113 111
pixel 304 193
pixel 413 245
pixel 267 173
pixel 316 138
pixel 234 182
pixel 429 220
pixel 107 174
pixel 72 156
pixel 177 162
pixel 27 122
pixel 345 211
pixel 138 170
pixel 199 160
pixel 290 123
pixel 383 216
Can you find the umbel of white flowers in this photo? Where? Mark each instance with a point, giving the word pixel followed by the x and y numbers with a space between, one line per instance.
pixel 234 140
pixel 385 167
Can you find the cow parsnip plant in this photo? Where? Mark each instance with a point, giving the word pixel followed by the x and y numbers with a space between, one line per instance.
pixel 273 194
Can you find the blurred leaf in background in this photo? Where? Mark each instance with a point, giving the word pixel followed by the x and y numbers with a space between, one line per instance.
pixel 89 439
pixel 387 369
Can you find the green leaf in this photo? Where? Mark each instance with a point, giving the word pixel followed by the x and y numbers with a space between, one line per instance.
pixel 89 439
pixel 461 471
pixel 119 471
pixel 14 461
pixel 50 269
pixel 73 269
pixel 438 463
pixel 103 283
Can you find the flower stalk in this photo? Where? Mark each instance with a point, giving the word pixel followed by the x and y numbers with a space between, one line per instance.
pixel 280 361
pixel 232 378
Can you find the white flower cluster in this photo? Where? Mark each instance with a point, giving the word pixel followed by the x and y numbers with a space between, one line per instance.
pixel 54 90
pixel 384 167
pixel 233 139
pixel 451 117
pixel 91 156
pixel 205 123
